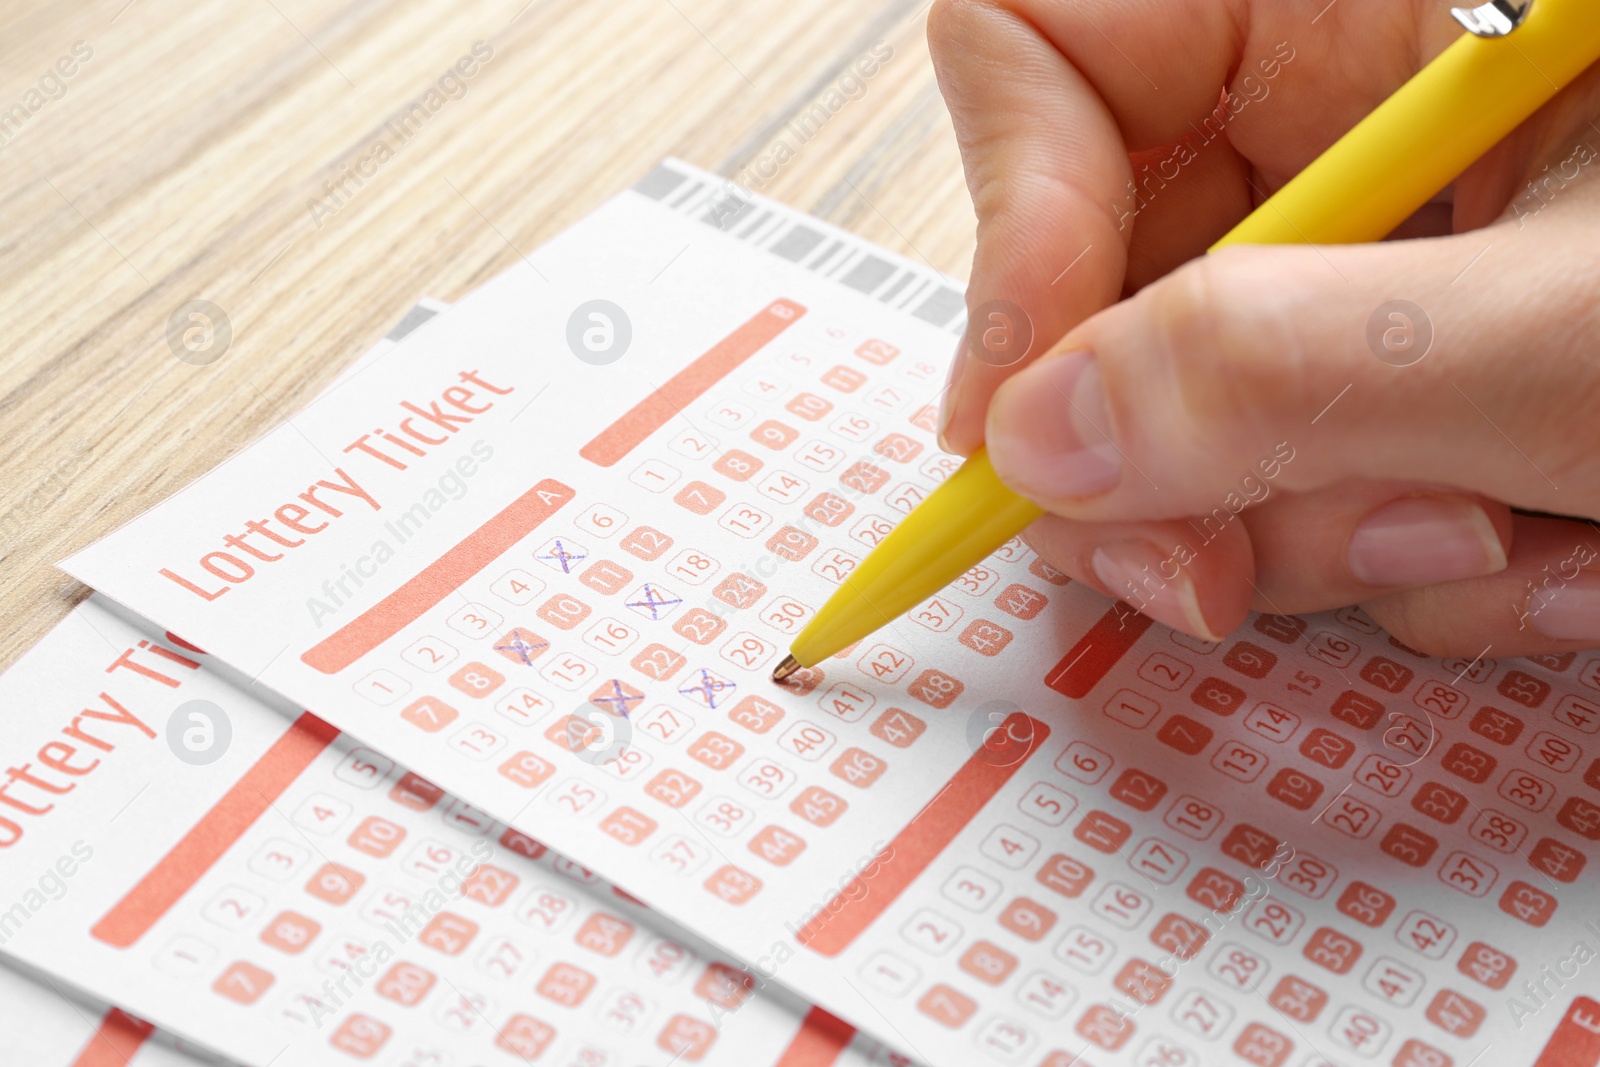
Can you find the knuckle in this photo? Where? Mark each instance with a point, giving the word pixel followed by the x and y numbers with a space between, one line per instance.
pixel 1422 620
pixel 1234 358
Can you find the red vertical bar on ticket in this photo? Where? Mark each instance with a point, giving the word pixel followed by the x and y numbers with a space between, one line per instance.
pixel 1576 1042
pixel 438 579
pixel 143 906
pixel 1081 669
pixel 685 387
pixel 820 1040
pixel 116 1040
pixel 929 833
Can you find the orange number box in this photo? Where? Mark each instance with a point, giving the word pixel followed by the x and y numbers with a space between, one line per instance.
pixel 829 509
pixel 936 689
pixel 1523 901
pixel 864 477
pixel 1297 999
pixel 604 934
pixel 521 646
pixel 818 806
pixel 1486 964
pixel 1028 919
pixel 335 884
pixel 725 986
pixel 946 1006
pixel 565 984
pixel 985 638
pixel 1455 1014
pixel 243 983
pixel 792 543
pixel 777 846
pixel 1143 981
pixel 700 498
pixel 738 465
pixel 477 679
pixel 489 885
pixel 686 1038
pixel 405 983
pixel 628 826
pixel 606 577
pixel 988 963
pixel 739 590
pixel 376 836
pixel 1021 601
pixel 899 728
pixel 360 1036
pixel 858 767
pixel 898 447
pixel 646 542
pixel 448 933
pixel 700 626
pixel 733 885
pixel 1105 1027
pixel 1262 1046
pixel 563 611
pixel 673 788
pixel 525 1036
pixel 415 792
pixel 774 435
pixel 844 379
pixel 527 769
pixel 658 661
pixel 290 932
pixel 430 714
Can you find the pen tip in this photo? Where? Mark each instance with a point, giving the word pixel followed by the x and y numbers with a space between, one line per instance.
pixel 786 668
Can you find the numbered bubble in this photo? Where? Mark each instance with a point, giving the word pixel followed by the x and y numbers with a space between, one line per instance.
pixel 199 332
pixel 994 717
pixel 999 333
pixel 599 332
pixel 199 732
pixel 1400 333
pixel 597 737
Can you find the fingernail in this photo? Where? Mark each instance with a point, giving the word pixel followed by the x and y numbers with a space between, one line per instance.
pixel 1049 430
pixel 1136 572
pixel 1567 609
pixel 947 399
pixel 1422 540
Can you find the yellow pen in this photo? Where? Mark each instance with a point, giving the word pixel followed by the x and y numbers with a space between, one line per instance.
pixel 1515 57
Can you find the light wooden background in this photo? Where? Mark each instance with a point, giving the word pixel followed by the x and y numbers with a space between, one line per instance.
pixel 180 160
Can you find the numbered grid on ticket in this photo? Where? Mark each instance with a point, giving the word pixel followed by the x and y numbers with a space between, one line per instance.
pixel 1305 845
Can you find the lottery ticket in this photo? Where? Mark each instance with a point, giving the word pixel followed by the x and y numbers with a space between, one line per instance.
pixel 249 879
pixel 44 1026
pixel 549 553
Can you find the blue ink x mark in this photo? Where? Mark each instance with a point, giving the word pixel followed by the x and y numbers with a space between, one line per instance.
pixel 653 602
pixel 526 651
pixel 563 558
pixel 709 688
pixel 621 703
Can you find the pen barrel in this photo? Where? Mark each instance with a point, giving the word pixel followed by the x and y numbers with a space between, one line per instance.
pixel 1431 130
pixel 959 524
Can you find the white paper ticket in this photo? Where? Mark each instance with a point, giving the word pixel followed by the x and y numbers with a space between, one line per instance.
pixel 547 552
pixel 275 893
pixel 47 1027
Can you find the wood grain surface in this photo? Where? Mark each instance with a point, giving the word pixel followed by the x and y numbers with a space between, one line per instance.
pixel 155 152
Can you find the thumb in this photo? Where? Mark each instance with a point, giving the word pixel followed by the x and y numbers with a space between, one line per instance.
pixel 1300 367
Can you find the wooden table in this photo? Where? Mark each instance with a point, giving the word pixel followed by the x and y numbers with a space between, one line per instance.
pixel 154 152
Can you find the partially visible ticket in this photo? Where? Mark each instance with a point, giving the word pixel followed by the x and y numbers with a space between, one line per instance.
pixel 549 552
pixel 273 892
pixel 46 1027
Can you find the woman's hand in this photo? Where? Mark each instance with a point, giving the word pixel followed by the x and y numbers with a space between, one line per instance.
pixel 1293 428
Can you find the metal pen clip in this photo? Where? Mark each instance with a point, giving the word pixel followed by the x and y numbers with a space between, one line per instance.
pixel 1495 19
